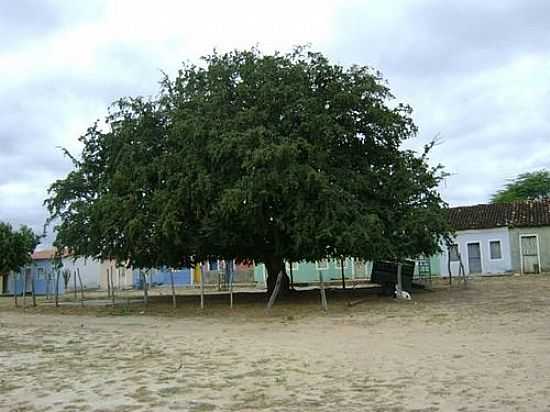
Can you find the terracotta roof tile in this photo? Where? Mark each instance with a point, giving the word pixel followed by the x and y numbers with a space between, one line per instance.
pixel 46 254
pixel 516 214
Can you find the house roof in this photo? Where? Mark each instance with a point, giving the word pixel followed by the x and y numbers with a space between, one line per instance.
pixel 47 254
pixel 44 254
pixel 487 216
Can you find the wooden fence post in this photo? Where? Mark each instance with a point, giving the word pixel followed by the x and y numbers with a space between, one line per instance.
pixel 15 289
pixel 275 291
pixel 353 273
pixel 399 276
pixel 462 268
pixel 75 288
pixel 47 285
pixel 81 286
pixel 173 289
pixel 231 274
pixel 343 277
pixel 25 289
pixel 113 287
pixel 57 288
pixel 32 290
pixel 202 288
pixel 291 276
pixel 145 291
pixel 324 304
pixel 449 264
pixel 108 284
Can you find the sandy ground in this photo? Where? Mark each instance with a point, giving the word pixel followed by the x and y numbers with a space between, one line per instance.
pixel 483 348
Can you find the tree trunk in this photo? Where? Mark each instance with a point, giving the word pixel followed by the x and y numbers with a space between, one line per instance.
pixel 274 265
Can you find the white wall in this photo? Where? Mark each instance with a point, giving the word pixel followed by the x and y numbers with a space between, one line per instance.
pixel 94 273
pixel 122 276
pixel 483 236
pixel 89 272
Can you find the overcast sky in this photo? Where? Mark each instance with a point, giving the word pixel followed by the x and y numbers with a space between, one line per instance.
pixel 476 73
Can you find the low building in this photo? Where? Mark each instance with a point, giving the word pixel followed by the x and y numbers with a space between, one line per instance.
pixel 215 272
pixel 530 236
pixel 500 238
pixel 162 277
pixel 42 270
pixel 308 272
pixel 88 269
pixel 3 283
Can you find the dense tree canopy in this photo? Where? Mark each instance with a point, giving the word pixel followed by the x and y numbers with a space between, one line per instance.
pixel 16 247
pixel 253 157
pixel 527 186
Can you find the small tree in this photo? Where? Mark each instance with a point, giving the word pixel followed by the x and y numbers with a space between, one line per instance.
pixel 66 273
pixel 16 247
pixel 527 186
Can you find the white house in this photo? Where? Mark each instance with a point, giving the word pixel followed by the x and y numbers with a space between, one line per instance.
pixel 93 273
pixel 482 241
pixel 89 269
pixel 483 252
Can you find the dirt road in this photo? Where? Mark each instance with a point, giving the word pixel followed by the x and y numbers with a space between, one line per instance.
pixel 484 348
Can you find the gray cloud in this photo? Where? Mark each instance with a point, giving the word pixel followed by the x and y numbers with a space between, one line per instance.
pixel 475 73
pixel 25 21
pixel 428 39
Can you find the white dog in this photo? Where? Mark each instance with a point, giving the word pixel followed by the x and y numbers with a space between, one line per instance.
pixel 402 294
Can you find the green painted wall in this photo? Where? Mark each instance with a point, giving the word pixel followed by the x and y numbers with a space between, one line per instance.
pixel 435 265
pixel 543 233
pixel 307 272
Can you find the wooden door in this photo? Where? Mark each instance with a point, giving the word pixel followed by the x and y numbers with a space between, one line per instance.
pixel 474 257
pixel 360 268
pixel 529 254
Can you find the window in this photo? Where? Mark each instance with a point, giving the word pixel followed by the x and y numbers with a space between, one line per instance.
pixel 213 264
pixel 495 249
pixel 453 253
pixel 322 264
pixel 40 273
pixel 294 266
pixel 338 264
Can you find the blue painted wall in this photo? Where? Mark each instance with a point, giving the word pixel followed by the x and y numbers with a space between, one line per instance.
pixel 161 277
pixel 44 279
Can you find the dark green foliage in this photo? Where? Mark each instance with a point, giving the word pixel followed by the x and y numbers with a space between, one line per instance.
pixel 527 186
pixel 254 157
pixel 16 247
